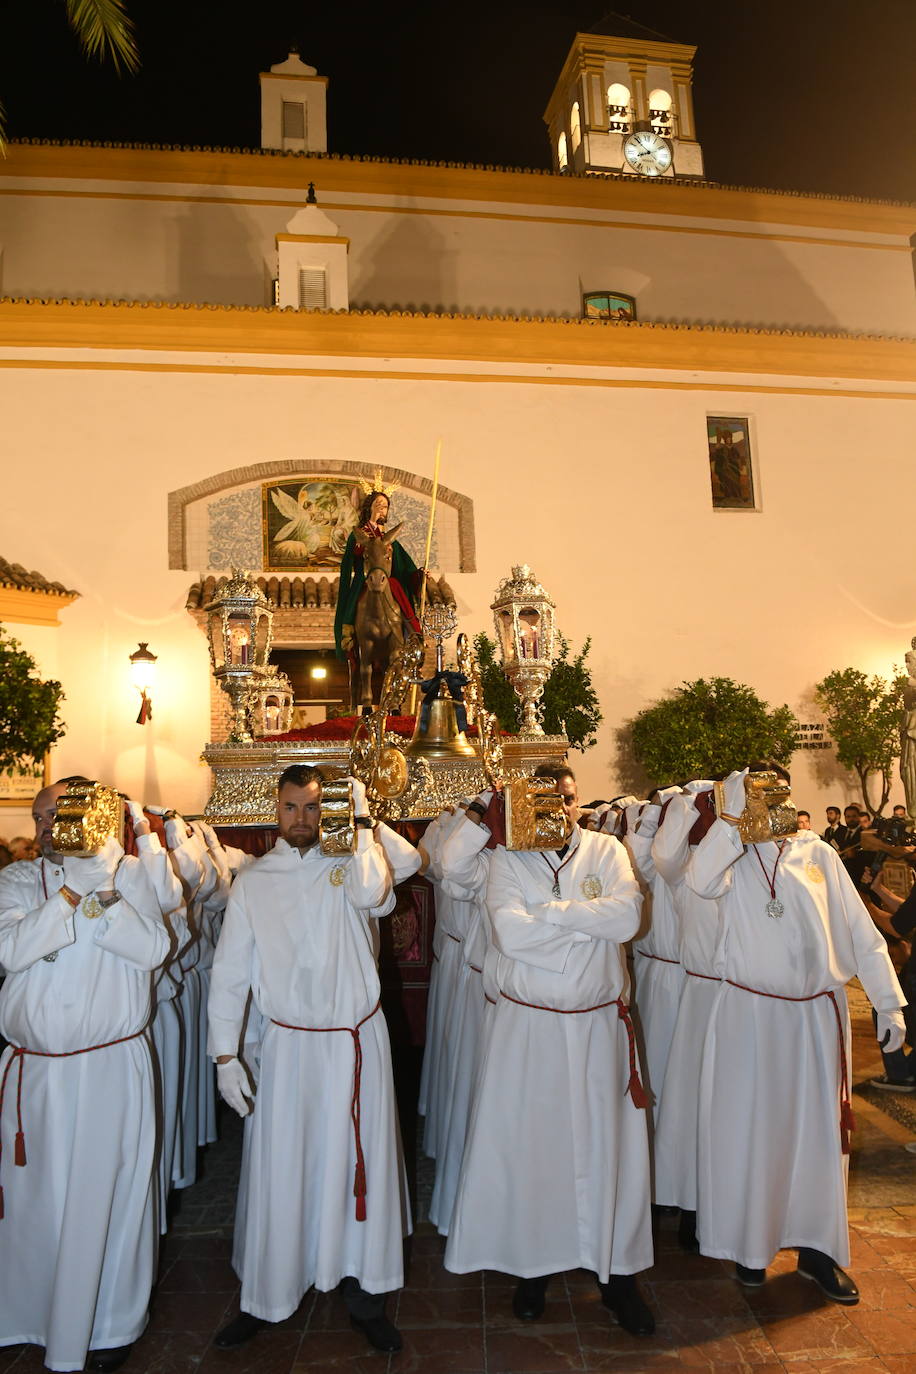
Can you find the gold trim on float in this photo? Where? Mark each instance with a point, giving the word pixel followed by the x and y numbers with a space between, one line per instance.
pixel 452 338
pixel 361 176
pixel 371 374
pixel 640 226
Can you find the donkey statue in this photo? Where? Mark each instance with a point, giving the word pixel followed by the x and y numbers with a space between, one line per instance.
pixel 378 628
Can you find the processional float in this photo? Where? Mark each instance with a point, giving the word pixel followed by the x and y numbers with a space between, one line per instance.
pixel 456 749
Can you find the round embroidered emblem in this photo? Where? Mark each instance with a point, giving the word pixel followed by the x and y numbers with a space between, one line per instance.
pixel 815 874
pixel 591 886
pixel 337 875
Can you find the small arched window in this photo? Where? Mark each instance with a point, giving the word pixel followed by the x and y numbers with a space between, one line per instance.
pixel 660 113
pixel 618 108
pixel 575 126
pixel 562 156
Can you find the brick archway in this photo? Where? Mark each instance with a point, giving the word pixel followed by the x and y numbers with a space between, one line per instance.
pixel 181 500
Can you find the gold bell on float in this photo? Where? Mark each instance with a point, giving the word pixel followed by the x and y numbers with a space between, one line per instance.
pixel 436 734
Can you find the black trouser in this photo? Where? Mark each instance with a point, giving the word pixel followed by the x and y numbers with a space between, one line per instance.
pixel 899 1065
pixel 361 1304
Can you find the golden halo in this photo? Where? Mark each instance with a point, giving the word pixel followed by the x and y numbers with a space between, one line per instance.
pixel 377 484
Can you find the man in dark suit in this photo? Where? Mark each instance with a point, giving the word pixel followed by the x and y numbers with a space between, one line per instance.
pixel 833 827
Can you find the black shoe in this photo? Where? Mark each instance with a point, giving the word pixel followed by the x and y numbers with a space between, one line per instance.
pixel 107 1360
pixel 687 1233
pixel 894 1085
pixel 621 1296
pixel 833 1281
pixel 379 1332
pixel 528 1298
pixel 239 1331
pixel 751 1278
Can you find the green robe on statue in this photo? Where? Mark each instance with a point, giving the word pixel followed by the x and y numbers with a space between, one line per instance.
pixel 404 580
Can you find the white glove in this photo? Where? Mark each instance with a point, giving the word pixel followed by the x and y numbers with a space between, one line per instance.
pixel 234 1086
pixel 632 814
pixel 596 816
pixel 692 788
pixel 95 873
pixel 360 804
pixel 140 823
pixel 891 1031
pixel 734 794
pixel 176 831
pixel 209 835
pixel 648 819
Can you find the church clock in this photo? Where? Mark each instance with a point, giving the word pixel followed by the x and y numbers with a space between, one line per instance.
pixel 648 153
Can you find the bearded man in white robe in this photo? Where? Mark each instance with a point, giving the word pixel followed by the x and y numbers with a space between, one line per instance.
pixel 774 1110
pixel 322 1200
pixel 79 939
pixel 556 1163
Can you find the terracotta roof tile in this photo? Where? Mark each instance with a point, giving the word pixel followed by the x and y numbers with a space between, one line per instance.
pixel 15 575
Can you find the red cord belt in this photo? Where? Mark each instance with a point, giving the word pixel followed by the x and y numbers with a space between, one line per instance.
pixel 847 1119
pixel 660 957
pixel 18 1057
pixel 359 1175
pixel 634 1086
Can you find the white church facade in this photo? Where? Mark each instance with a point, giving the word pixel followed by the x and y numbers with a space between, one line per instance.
pixel 180 328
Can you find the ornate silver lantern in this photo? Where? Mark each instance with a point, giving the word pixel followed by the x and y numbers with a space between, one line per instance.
pixel 240 631
pixel 270 703
pixel 524 617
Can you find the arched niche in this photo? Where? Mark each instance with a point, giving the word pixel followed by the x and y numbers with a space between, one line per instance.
pixel 217 522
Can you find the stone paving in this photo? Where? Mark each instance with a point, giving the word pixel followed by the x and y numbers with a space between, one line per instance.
pixel 463 1324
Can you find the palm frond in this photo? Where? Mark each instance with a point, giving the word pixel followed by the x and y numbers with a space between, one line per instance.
pixel 104 30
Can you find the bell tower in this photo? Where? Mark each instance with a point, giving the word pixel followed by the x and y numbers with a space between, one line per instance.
pixel 624 103
pixel 294 102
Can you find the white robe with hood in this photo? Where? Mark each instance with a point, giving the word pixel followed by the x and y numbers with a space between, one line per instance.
pixel 676 1123
pixel 78 1238
pixel 296 933
pixel 556 1164
pixel 771 1169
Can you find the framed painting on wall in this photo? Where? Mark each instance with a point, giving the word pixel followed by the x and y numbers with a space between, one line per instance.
pixel 609 305
pixel 306 523
pixel 731 471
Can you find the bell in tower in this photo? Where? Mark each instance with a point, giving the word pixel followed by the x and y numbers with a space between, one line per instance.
pixel 624 103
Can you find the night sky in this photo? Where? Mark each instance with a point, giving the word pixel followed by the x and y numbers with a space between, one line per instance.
pixel 807 95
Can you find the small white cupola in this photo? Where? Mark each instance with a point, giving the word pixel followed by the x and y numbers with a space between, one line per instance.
pixel 312 261
pixel 294 101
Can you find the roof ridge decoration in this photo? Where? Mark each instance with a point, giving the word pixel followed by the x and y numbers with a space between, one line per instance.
pixel 494 317
pixel 660 182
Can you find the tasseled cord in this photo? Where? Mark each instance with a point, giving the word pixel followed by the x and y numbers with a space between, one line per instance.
pixel 634 1086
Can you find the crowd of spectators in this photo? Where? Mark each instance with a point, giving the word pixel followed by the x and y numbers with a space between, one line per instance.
pixel 19 847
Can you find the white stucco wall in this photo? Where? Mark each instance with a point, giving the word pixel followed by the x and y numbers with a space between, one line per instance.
pixel 156 242
pixel 603 490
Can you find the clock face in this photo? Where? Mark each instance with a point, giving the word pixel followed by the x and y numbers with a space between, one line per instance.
pixel 648 153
